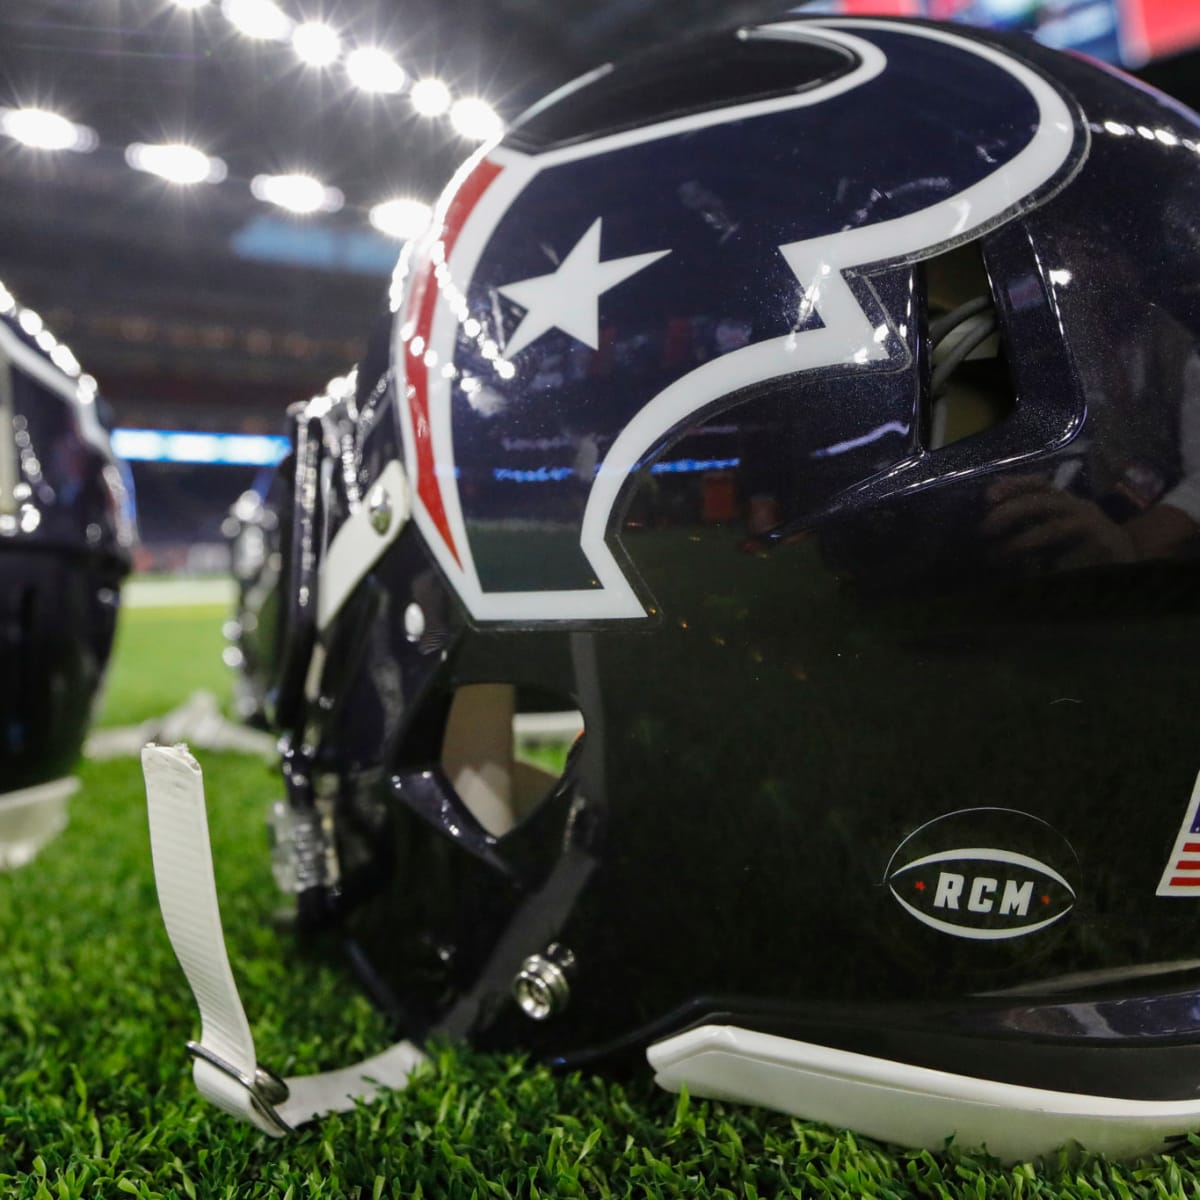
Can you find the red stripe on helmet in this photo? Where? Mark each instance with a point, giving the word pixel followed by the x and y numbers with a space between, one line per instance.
pixel 423 302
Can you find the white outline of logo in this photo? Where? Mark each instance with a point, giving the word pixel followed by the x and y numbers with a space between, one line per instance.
pixel 846 337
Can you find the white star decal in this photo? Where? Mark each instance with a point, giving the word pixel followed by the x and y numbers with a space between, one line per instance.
pixel 569 299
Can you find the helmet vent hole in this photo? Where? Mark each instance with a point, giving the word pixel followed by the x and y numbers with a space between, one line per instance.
pixel 969 384
pixel 505 749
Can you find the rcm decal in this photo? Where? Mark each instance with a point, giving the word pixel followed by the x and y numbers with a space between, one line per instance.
pixel 531 255
pixel 957 875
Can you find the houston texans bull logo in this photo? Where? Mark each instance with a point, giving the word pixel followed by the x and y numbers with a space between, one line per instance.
pixel 534 255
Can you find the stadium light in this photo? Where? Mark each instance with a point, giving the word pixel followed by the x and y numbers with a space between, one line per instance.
pixel 300 194
pixel 316 43
pixel 372 69
pixel 474 119
pixel 430 97
pixel 401 218
pixel 175 162
pixel 41 129
pixel 8 302
pixel 261 19
pixel 191 4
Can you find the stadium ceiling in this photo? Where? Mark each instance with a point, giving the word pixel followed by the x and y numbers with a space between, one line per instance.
pixel 213 282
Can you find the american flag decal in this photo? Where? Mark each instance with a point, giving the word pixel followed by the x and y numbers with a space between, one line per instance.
pixel 1182 874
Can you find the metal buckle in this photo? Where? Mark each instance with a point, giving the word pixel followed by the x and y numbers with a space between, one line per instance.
pixel 265 1089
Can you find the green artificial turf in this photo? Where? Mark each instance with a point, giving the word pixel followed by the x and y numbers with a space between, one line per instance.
pixel 95 1091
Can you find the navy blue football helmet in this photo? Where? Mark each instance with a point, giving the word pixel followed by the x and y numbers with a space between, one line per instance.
pixel 810 415
pixel 66 536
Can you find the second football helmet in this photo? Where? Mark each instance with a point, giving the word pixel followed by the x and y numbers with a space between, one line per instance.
pixel 66 535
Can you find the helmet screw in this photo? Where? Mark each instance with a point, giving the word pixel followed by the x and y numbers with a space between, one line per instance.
pixel 541 987
pixel 379 505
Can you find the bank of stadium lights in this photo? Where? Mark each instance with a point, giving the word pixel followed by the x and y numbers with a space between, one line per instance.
pixel 175 162
pixel 316 43
pixel 401 218
pixel 41 129
pixel 298 193
pixel 369 68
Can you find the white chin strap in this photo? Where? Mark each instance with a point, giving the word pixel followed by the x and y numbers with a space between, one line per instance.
pixel 31 817
pixel 226 1069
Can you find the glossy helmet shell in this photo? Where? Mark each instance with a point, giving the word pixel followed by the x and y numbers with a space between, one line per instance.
pixel 814 409
pixel 66 531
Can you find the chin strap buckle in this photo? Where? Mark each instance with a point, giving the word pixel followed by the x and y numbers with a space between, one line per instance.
pixel 225 1065
pixel 264 1090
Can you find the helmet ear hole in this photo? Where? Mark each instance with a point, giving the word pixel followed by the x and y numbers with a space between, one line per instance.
pixel 970 388
pixel 504 750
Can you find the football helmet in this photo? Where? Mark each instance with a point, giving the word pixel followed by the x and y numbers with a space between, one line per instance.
pixel 66 534
pixel 811 414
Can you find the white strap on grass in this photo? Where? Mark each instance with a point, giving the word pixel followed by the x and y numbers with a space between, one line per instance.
pixel 197 721
pixel 226 1067
pixel 31 817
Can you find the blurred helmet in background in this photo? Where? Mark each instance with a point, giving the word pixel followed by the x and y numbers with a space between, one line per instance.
pixel 811 416
pixel 66 535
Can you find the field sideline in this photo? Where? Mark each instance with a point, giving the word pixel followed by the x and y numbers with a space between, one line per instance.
pixel 95 1092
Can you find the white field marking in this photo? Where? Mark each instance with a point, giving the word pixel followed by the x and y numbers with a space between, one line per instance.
pixel 177 593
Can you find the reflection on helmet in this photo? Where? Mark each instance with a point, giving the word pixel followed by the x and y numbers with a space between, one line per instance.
pixel 66 532
pixel 256 528
pixel 814 412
